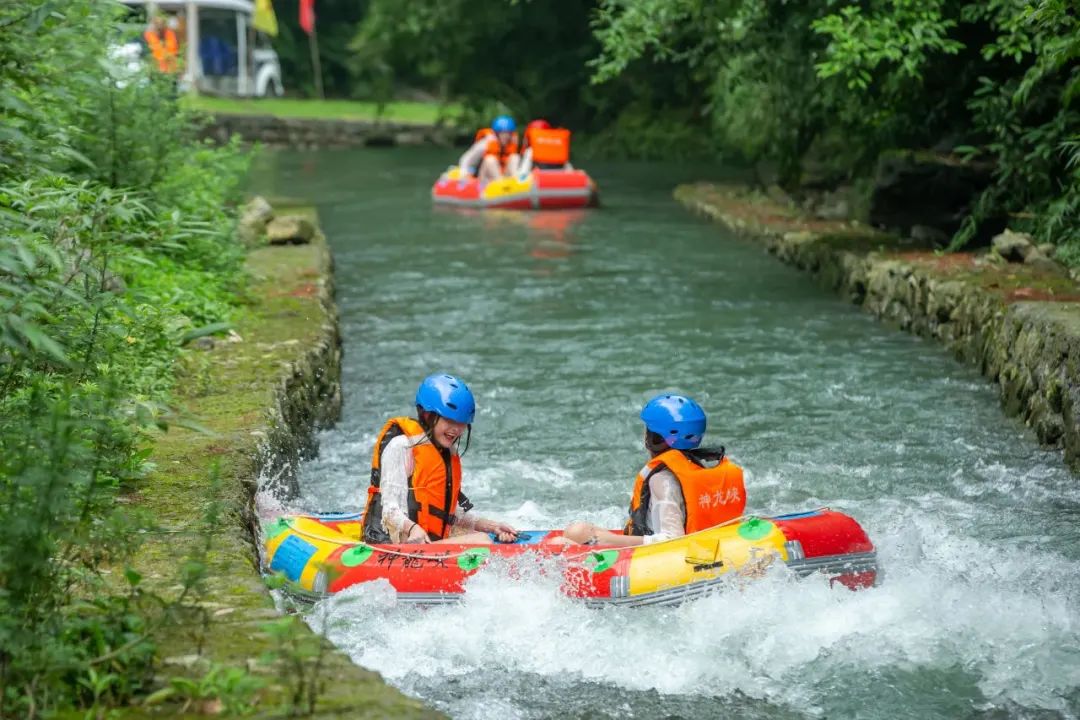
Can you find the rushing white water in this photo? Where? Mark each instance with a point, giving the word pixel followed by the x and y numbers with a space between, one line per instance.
pixel 563 326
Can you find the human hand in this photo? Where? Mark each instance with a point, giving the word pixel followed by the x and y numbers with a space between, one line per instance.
pixel 417 534
pixel 503 532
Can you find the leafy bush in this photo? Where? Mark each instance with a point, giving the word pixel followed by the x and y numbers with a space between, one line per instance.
pixel 996 79
pixel 115 240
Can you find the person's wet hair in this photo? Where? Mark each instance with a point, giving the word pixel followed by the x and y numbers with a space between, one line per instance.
pixel 654 443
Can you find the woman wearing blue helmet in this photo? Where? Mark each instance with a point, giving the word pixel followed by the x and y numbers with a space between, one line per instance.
pixel 682 489
pixel 494 152
pixel 415 491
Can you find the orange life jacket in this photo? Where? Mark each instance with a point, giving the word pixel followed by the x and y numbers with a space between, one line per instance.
pixel 550 146
pixel 494 147
pixel 713 495
pixel 434 486
pixel 164 53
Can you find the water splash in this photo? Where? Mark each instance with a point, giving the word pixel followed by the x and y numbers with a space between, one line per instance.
pixel 975 525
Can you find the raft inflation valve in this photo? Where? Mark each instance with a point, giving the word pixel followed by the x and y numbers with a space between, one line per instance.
pixel 321 582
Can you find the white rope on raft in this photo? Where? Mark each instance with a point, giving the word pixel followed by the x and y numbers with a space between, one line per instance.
pixel 376 548
pixel 471 550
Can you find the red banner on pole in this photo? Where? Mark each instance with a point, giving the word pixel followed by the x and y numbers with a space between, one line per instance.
pixel 307 16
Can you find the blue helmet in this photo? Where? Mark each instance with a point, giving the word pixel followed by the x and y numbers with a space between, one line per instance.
pixel 677 419
pixel 503 123
pixel 448 396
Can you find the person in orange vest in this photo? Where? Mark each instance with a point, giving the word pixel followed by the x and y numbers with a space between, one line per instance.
pixel 162 42
pixel 494 152
pixel 683 488
pixel 415 491
pixel 545 148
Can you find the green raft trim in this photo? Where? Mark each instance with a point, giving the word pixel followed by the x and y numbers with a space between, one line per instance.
pixel 473 558
pixel 755 528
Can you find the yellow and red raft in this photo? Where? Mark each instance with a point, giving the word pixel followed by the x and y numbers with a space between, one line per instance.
pixel 539 190
pixel 322 554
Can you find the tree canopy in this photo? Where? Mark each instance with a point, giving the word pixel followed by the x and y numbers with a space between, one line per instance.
pixel 821 85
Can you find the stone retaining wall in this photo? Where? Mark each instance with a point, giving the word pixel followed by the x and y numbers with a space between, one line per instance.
pixel 1020 326
pixel 307 397
pixel 310 133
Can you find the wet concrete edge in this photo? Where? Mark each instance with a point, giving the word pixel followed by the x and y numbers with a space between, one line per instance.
pixel 1030 348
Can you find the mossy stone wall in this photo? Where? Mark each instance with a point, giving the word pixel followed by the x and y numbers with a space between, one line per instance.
pixel 1019 325
pixel 312 133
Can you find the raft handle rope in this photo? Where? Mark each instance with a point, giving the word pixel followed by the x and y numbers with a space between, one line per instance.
pixel 472 549
pixel 741 518
pixel 378 548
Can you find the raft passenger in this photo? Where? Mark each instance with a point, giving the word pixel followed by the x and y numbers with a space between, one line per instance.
pixel 415 492
pixel 162 42
pixel 683 488
pixel 545 148
pixel 494 152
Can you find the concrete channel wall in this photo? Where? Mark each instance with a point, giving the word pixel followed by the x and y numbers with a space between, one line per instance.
pixel 312 133
pixel 1019 325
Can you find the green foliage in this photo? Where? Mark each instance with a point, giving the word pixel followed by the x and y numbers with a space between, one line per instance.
pixel 335 24
pixel 229 690
pixel 115 241
pixel 996 79
pixel 528 57
pixel 300 655
pixel 900 36
pixel 747 61
pixel 640 134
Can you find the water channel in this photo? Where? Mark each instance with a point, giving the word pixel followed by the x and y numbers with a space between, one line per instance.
pixel 564 324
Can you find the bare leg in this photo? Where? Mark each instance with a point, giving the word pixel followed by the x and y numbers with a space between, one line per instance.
pixel 513 164
pixel 469 538
pixel 583 532
pixel 489 169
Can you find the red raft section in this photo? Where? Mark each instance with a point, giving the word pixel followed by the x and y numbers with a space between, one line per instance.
pixel 540 190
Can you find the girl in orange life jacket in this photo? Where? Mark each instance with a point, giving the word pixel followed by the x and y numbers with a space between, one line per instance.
pixel 494 152
pixel 415 492
pixel 682 489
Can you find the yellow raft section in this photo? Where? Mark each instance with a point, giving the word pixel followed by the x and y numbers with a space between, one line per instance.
pixel 746 545
pixel 498 188
pixel 326 540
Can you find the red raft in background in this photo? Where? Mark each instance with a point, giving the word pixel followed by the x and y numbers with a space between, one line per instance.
pixel 539 190
pixel 321 555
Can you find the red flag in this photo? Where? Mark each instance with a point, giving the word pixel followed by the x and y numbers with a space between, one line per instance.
pixel 307 15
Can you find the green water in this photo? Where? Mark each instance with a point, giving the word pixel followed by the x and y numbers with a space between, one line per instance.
pixel 563 325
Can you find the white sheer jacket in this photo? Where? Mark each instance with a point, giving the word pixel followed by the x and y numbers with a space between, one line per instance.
pixel 397 468
pixel 667 508
pixel 470 159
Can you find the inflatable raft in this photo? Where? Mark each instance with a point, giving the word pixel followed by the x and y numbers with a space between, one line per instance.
pixel 540 190
pixel 321 555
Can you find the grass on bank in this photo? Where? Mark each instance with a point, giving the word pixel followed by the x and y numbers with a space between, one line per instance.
pixel 239 635
pixel 420 113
